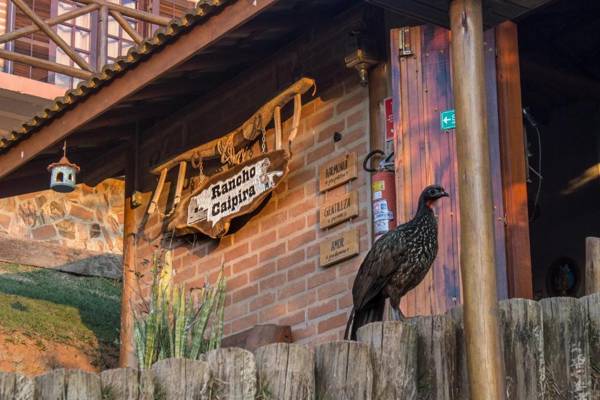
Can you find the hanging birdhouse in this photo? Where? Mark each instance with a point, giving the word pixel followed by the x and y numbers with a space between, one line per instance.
pixel 62 174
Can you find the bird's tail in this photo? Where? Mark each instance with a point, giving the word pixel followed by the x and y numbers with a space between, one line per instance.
pixel 372 312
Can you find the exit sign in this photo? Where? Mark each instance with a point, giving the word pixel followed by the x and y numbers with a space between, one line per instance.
pixel 448 120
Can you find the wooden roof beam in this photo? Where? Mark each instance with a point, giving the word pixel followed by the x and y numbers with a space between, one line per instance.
pixel 172 55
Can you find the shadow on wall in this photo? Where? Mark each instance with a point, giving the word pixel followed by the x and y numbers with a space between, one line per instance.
pixel 51 307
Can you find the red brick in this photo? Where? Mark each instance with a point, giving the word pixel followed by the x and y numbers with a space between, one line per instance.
pixel 327 132
pixel 357 117
pixel 293 319
pixel 291 227
pixel 249 230
pixel 312 219
pixel 320 153
pixel 243 324
pixel 236 311
pixel 262 301
pixel 264 240
pixel 44 232
pixel 291 289
pixel 301 271
pixel 320 117
pixel 237 282
pixel 322 277
pixel 351 101
pixel 352 137
pixel 301 301
pixel 304 333
pixel 301 240
pixel 331 289
pixel 345 301
pixel 302 145
pixel 273 220
pixel 272 282
pixel 291 259
pixel 244 293
pixel 272 313
pixel 262 271
pixel 245 264
pixel 307 205
pixel 300 178
pixel 271 253
pixel 291 197
pixel 332 323
pixel 183 274
pixel 236 252
pixel 322 309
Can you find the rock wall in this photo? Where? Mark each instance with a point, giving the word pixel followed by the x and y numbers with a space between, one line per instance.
pixel 89 218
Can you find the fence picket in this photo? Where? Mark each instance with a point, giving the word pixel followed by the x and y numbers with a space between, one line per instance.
pixel 7 385
pixel 592 308
pixel 234 373
pixel 461 389
pixel 394 359
pixel 50 386
pixel 120 383
pixel 343 371
pixel 285 372
pixel 523 349
pixel 82 385
pixel 24 387
pixel 566 349
pixel 180 379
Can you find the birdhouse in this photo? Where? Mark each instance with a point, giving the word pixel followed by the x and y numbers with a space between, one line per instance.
pixel 62 174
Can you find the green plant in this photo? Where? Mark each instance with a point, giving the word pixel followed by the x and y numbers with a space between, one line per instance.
pixel 173 325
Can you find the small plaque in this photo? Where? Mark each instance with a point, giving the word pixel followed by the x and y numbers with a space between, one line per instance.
pixel 339 210
pixel 339 248
pixel 338 171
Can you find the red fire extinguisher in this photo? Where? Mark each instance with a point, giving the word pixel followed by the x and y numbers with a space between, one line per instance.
pixel 383 192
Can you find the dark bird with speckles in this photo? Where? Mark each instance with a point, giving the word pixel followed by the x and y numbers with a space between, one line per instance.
pixel 397 262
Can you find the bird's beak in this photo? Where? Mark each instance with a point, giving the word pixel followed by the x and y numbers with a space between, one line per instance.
pixel 445 194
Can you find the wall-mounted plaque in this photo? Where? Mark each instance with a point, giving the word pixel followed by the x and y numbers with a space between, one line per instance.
pixel 339 248
pixel 338 171
pixel 339 210
pixel 240 190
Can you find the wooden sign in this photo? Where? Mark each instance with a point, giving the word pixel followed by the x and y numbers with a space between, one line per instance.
pixel 339 210
pixel 339 248
pixel 210 208
pixel 338 171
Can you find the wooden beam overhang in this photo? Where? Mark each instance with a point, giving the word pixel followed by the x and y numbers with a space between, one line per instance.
pixel 170 56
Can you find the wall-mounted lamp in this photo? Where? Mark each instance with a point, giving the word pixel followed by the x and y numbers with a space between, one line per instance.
pixel 362 57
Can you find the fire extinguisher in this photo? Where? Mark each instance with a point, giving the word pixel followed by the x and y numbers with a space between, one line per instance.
pixel 383 192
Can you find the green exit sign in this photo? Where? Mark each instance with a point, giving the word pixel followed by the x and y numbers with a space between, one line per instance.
pixel 448 120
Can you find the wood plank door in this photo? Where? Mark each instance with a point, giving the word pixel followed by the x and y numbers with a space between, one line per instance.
pixel 426 154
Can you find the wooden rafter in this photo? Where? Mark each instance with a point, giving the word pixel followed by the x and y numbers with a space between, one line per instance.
pixel 52 35
pixel 126 27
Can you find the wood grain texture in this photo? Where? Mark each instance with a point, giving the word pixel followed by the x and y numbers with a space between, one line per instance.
pixel 234 372
pixel 50 386
pixel 566 348
pixel 462 382
pixel 120 383
pixel 83 385
pixel 286 371
pixel 394 358
pixel 24 387
pixel 592 265
pixel 343 371
pixel 591 305
pixel 7 385
pixel 436 354
pixel 179 379
pixel 514 169
pixel 523 349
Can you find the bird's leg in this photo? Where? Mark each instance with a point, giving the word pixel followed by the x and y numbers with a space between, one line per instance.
pixel 397 313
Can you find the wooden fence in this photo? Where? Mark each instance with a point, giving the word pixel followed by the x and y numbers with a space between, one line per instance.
pixel 551 351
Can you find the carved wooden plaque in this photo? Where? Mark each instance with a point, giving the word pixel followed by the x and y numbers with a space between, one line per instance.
pixel 210 208
pixel 339 248
pixel 338 171
pixel 339 210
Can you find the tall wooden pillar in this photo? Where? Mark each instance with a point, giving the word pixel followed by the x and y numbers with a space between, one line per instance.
pixel 477 258
pixel 127 350
pixel 514 168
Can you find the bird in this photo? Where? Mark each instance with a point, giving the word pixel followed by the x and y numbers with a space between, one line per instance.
pixel 396 263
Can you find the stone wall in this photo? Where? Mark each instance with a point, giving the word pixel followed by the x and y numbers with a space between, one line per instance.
pixel 89 218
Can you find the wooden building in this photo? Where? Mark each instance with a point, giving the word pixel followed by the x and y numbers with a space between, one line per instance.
pixel 206 73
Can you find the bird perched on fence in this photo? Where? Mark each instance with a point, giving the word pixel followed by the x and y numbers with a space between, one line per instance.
pixel 397 262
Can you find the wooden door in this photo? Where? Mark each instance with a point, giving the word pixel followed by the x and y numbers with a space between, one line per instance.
pixel 426 154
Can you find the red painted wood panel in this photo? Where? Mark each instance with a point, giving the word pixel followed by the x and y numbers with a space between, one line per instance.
pixel 425 154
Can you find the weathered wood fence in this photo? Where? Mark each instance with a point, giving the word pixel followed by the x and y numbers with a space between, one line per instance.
pixel 551 351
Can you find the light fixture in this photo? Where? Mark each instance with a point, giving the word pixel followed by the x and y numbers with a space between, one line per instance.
pixel 362 56
pixel 62 174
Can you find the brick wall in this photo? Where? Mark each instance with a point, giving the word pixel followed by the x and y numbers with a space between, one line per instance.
pixel 272 261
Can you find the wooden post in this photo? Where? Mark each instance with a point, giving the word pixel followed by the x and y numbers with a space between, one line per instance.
pixel 514 168
pixel 592 265
pixel 179 378
pixel 127 350
pixel 120 383
pixel 591 305
pixel 102 37
pixel 478 267
pixel 234 371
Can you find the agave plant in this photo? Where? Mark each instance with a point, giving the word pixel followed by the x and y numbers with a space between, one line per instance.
pixel 173 325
